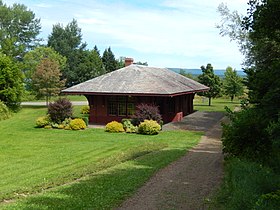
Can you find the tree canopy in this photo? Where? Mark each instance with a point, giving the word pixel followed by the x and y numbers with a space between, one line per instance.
pixel 109 61
pixel 11 82
pixel 18 29
pixel 46 79
pixel 232 83
pixel 211 80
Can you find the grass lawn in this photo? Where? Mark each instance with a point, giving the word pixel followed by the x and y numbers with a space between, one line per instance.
pixel 90 169
pixel 70 97
pixel 217 104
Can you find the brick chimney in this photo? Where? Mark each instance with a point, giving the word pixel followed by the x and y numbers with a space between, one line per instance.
pixel 128 61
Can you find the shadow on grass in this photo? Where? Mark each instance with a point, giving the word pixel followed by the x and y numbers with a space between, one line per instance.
pixel 103 190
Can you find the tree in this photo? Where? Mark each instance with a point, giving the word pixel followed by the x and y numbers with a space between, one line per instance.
pixel 109 61
pixel 18 29
pixel 232 83
pixel 11 82
pixel 211 80
pixel 67 41
pixel 46 79
pixel 34 57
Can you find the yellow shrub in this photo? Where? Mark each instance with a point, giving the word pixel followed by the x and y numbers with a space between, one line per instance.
pixel 85 110
pixel 42 121
pixel 149 127
pixel 114 127
pixel 77 124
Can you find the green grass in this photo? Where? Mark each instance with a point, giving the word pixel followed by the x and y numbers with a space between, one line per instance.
pixel 70 97
pixel 41 163
pixel 248 185
pixel 217 105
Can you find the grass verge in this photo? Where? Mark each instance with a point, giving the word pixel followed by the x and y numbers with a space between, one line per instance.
pixel 217 105
pixel 40 163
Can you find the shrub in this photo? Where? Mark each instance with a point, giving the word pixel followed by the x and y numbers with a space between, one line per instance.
pixel 60 126
pixel 149 127
pixel 85 110
pixel 60 109
pixel 85 119
pixel 147 112
pixel 47 126
pixel 246 135
pixel 42 121
pixel 4 111
pixel 128 126
pixel 114 127
pixel 77 124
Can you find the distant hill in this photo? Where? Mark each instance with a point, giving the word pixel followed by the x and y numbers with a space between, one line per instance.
pixel 196 72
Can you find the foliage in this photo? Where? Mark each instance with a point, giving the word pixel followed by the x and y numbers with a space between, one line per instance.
pixel 86 120
pixel 11 82
pixel 33 58
pixel 4 111
pixel 46 79
pixel 114 127
pixel 147 112
pixel 85 110
pixel 232 84
pixel 42 121
pixel 109 61
pixel 253 143
pixel 60 110
pixel 149 127
pixel 211 80
pixel 128 126
pixel 19 29
pixel 248 185
pixel 77 124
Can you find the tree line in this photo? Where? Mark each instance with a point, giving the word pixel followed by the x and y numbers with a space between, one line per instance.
pixel 43 69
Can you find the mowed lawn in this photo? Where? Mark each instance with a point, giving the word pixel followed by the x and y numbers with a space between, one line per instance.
pixel 90 169
pixel 217 104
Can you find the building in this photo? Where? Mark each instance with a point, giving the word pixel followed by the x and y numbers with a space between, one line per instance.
pixel 115 95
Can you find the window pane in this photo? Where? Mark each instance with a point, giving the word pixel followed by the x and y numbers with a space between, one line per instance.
pixel 112 108
pixel 122 108
pixel 130 109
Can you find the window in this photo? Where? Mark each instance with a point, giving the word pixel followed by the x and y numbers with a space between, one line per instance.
pixel 121 106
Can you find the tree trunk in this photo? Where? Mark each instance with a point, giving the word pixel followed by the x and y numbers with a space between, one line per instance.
pixel 209 101
pixel 231 98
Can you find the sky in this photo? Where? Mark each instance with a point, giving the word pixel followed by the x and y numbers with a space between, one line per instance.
pixel 163 33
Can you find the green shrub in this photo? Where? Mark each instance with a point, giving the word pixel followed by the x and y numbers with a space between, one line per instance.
pixel 128 126
pixel 60 109
pixel 114 127
pixel 42 121
pixel 85 119
pixel 246 135
pixel 149 127
pixel 4 111
pixel 85 110
pixel 77 124
pixel 66 122
pixel 47 126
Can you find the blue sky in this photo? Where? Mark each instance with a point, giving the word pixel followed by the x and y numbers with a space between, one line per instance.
pixel 164 33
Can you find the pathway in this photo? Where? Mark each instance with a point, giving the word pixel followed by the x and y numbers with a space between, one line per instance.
pixel 187 182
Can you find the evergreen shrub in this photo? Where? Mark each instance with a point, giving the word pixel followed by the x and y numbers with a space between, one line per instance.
pixel 77 124
pixel 149 127
pixel 114 127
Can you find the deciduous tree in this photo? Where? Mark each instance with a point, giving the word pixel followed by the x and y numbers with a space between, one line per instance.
pixel 232 83
pixel 18 29
pixel 46 79
pixel 11 82
pixel 211 80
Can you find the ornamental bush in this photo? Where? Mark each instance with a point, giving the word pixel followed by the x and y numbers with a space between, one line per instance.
pixel 85 110
pixel 147 112
pixel 4 111
pixel 149 127
pixel 60 109
pixel 77 124
pixel 128 126
pixel 114 127
pixel 42 121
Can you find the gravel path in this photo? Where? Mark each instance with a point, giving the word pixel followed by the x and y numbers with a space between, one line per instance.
pixel 187 182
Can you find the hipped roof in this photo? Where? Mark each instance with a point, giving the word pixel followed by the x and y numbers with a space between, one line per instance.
pixel 138 80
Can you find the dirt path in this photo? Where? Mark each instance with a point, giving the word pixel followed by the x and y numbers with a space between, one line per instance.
pixel 187 182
